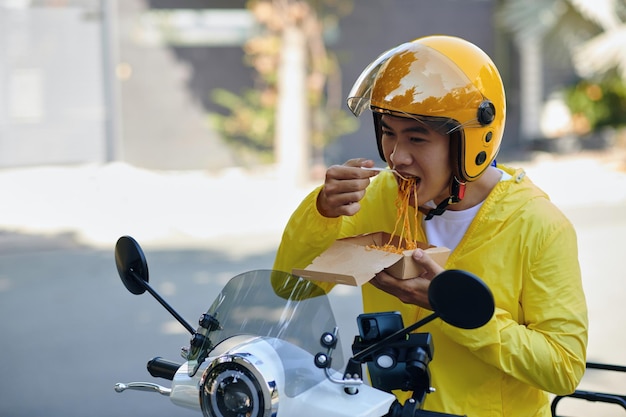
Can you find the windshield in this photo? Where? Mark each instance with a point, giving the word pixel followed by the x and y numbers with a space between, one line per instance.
pixel 277 306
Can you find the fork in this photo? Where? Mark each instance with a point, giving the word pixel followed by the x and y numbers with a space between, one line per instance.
pixel 385 169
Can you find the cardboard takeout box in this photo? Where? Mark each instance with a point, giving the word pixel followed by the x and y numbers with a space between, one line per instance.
pixel 352 261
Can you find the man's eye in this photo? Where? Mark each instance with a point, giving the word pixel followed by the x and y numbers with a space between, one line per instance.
pixel 387 133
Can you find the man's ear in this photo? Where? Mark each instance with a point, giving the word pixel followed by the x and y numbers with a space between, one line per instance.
pixel 378 130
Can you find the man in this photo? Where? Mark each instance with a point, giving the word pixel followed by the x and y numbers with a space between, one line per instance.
pixel 439 113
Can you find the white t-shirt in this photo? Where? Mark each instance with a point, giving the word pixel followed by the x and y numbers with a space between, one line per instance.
pixel 448 228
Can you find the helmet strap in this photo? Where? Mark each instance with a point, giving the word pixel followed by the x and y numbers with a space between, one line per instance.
pixel 457 192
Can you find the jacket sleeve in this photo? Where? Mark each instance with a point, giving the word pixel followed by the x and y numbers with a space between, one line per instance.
pixel 306 235
pixel 546 346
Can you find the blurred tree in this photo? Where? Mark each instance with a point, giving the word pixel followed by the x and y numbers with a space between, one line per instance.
pixel 606 50
pixel 597 104
pixel 295 106
pixel 592 33
pixel 557 24
pixel 591 36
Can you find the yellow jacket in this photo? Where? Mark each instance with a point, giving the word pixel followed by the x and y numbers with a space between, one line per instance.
pixel 526 251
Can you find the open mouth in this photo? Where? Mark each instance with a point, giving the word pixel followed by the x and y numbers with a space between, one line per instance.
pixel 408 186
pixel 408 182
pixel 401 176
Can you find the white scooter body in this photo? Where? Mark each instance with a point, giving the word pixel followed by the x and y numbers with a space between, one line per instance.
pixel 325 398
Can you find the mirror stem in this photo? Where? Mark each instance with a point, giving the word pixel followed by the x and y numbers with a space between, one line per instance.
pixel 163 303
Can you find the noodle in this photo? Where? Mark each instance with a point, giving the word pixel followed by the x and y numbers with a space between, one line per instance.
pixel 402 229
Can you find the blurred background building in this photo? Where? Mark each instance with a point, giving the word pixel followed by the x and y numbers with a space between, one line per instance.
pixel 153 82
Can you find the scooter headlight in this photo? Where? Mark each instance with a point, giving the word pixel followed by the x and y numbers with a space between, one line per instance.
pixel 232 386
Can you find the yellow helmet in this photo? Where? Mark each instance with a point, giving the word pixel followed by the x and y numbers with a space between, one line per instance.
pixel 443 81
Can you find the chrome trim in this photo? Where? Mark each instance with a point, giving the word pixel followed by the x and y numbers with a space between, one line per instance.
pixel 143 386
pixel 260 371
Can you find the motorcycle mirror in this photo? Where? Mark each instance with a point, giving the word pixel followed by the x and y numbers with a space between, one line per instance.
pixel 133 270
pixel 131 264
pixel 461 299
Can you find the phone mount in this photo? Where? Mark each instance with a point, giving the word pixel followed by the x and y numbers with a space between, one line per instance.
pixel 398 358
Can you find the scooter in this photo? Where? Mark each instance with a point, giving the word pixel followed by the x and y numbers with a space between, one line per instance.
pixel 268 347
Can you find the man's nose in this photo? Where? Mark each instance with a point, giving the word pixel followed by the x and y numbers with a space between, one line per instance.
pixel 401 155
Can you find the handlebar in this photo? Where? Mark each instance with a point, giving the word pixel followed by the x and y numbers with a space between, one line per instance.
pixel 592 396
pixel 162 368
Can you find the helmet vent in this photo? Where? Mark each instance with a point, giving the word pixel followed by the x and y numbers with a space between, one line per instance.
pixel 486 113
pixel 481 158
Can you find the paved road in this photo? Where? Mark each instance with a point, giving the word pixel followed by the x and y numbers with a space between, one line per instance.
pixel 70 330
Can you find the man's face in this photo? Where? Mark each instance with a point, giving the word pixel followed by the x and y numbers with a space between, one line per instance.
pixel 415 150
